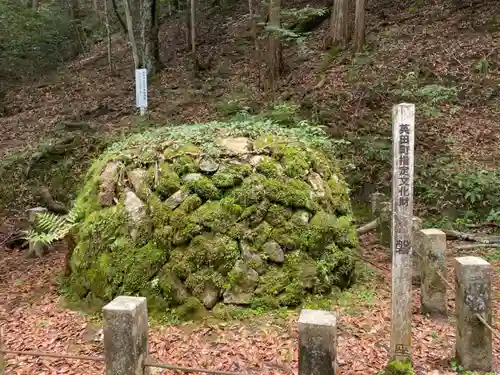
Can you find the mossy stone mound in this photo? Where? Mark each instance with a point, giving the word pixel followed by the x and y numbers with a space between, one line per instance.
pixel 258 220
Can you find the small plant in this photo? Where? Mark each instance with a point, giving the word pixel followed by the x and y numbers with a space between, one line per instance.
pixel 482 66
pixel 50 228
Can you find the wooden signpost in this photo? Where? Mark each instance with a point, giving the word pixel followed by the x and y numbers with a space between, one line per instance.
pixel 403 138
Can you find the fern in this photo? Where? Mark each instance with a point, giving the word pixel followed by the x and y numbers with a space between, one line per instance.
pixel 49 228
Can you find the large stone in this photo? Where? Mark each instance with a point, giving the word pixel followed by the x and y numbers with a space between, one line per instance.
pixel 136 211
pixel 210 296
pixel 126 336
pixel 247 279
pixel 317 183
pixel 239 145
pixel 317 343
pixel 137 178
pixel 474 350
pixel 251 257
pixel 208 165
pixel 177 198
pixel 433 290
pixel 192 177
pixel 107 185
pixel 274 251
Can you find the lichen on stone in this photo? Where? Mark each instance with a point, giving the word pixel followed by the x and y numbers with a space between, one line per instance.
pixel 265 221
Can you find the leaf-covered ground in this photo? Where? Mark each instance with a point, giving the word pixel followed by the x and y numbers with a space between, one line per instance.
pixel 33 317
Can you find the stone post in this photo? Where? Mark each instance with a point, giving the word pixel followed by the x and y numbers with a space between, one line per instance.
pixel 474 350
pixel 433 287
pixel 403 145
pixel 317 343
pixel 377 199
pixel 416 261
pixel 126 336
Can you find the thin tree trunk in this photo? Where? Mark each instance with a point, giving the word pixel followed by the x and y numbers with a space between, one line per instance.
pixel 119 17
pixel 188 25
pixel 108 36
pixel 153 37
pixel 131 36
pixel 339 27
pixel 253 27
pixel 359 25
pixel 275 48
pixel 193 36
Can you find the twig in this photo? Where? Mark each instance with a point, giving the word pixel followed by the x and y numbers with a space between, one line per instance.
pixel 495 333
pixel 470 237
pixel 52 355
pixel 478 245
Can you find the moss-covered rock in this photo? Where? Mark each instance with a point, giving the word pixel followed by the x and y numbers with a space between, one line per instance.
pixel 211 218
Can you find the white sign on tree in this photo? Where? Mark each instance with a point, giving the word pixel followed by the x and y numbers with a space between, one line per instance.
pixel 141 90
pixel 403 138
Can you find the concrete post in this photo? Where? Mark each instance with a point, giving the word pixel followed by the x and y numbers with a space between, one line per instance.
pixel 317 343
pixel 474 350
pixel 416 261
pixel 433 287
pixel 126 336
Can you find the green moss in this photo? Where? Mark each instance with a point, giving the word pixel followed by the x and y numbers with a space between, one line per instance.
pixel 250 192
pixel 160 212
pixel 338 193
pixel 184 164
pixel 204 188
pixel 218 216
pixel 399 368
pixel 265 141
pixel 170 287
pixel 196 282
pixel 277 215
pixel 191 309
pixel 294 193
pixel 259 235
pixel 294 160
pixel 231 175
pixel 255 214
pixel 163 236
pixel 177 150
pixel 322 164
pixel 168 180
pixel 269 167
pixel 191 203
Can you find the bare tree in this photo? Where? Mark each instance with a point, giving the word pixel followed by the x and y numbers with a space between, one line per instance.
pixel 339 26
pixel 275 48
pixel 131 35
pixel 118 16
pixel 193 36
pixel 359 25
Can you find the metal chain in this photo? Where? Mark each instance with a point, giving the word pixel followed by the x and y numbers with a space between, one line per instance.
pixel 482 320
pixel 190 369
pixel 52 355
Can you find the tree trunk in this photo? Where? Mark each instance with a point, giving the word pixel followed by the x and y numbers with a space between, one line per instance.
pixel 131 36
pixel 193 36
pixel 275 48
pixel 119 17
pixel 153 53
pixel 359 25
pixel 253 28
pixel 188 25
pixel 108 36
pixel 339 27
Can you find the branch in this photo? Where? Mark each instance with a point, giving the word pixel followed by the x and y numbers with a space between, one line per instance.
pixel 51 203
pixel 456 235
pixel 368 227
pixel 478 245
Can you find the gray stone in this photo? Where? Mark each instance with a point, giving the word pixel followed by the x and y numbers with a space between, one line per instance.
pixel 241 292
pixel 137 178
pixel 192 177
pixel 210 296
pixel 433 287
pixel 384 229
pixel 301 218
pixel 107 184
pixel 208 165
pixel 239 145
pixel 251 257
pixel 255 160
pixel 474 345
pixel 176 199
pixel 317 183
pixel 274 251
pixel 126 336
pixel 317 343
pixel 136 211
pixel 416 261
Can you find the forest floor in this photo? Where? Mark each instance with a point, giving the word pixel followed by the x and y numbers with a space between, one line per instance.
pixel 443 59
pixel 34 317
